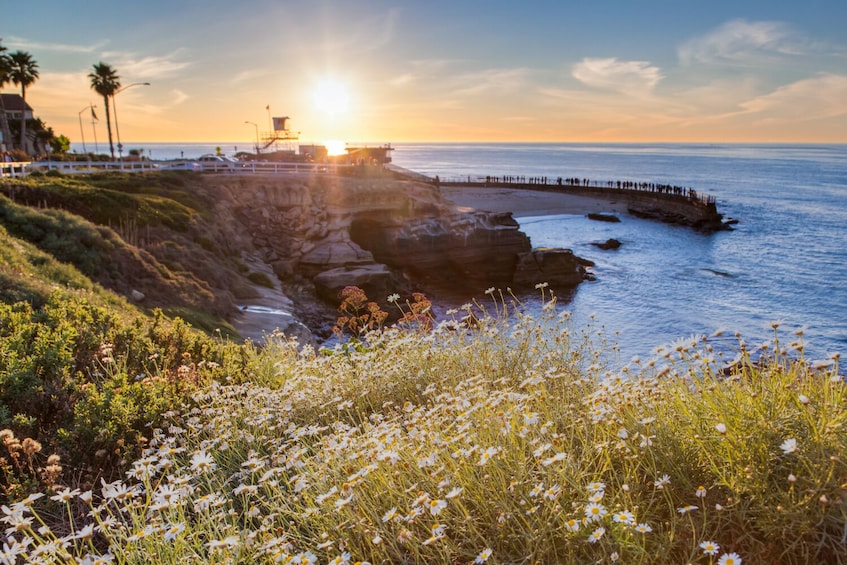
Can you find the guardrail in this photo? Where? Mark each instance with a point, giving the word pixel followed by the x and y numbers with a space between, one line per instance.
pixel 21 169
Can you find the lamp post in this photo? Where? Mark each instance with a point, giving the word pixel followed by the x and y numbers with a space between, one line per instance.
pixel 257 134
pixel 82 135
pixel 115 109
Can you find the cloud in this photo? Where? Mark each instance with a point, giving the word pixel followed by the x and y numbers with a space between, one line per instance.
pixel 635 77
pixel 489 80
pixel 130 68
pixel 740 42
pixel 21 43
pixel 822 96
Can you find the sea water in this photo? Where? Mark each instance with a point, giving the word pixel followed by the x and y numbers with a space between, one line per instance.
pixel 785 261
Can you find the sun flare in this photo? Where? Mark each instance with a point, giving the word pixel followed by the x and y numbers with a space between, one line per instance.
pixel 335 147
pixel 331 97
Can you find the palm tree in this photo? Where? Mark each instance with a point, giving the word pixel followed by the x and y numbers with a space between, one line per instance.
pixel 5 133
pixel 23 71
pixel 105 82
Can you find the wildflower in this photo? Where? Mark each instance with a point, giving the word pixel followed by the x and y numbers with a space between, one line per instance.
pixel 596 487
pixel 225 543
pixel 483 556
pixel 555 459
pixel 536 490
pixel 624 517
pixel 393 297
pixel 391 515
pixel 552 492
pixel 343 559
pixel 596 535
pixel 662 482
pixel 687 509
pixel 700 492
pixel 572 525
pixel 803 399
pixel 594 512
pixel 454 492
pixel 65 495
pixel 436 506
pixel 377 539
pixel 721 427
pixel 404 536
pixel 729 559
pixel 175 529
pixel 789 446
pixel 202 462
pixel 710 547
pixel 614 557
pixel 487 454
pixel 791 478
pixel 643 528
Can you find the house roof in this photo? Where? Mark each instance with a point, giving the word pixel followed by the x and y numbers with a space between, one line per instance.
pixel 14 103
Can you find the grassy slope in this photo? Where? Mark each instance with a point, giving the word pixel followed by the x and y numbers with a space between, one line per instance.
pixel 146 233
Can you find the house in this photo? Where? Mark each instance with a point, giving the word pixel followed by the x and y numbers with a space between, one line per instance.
pixel 14 106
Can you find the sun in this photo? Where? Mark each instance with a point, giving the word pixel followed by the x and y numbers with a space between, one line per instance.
pixel 331 97
pixel 335 147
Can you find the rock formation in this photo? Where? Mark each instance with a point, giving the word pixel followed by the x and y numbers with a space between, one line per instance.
pixel 381 234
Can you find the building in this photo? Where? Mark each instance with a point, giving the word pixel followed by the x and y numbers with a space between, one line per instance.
pixel 14 106
pixel 368 155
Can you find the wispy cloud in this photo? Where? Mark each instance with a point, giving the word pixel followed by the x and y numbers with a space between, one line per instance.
pixel 489 80
pixel 740 42
pixel 149 67
pixel 823 96
pixel 635 77
pixel 25 44
pixel 248 75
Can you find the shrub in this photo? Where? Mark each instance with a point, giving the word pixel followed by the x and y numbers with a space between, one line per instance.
pixel 487 437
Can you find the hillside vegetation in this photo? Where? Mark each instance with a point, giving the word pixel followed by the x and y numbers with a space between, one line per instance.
pixel 490 436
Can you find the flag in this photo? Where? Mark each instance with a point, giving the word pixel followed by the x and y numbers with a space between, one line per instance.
pixel 93 115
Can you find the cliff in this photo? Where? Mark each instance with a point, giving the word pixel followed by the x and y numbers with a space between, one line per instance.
pixel 320 233
pixel 274 251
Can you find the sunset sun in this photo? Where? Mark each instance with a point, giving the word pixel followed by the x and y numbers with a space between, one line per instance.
pixel 331 97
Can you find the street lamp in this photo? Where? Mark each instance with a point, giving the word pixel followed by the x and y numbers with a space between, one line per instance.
pixel 257 134
pixel 82 135
pixel 115 109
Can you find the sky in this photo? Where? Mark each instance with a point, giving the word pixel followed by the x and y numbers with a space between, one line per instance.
pixel 442 70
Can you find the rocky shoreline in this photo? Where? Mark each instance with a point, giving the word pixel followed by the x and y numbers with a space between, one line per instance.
pixel 312 235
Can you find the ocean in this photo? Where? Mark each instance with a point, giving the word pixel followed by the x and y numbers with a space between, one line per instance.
pixel 784 262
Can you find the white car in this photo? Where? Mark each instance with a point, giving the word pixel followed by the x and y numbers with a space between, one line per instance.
pixel 211 162
pixel 182 166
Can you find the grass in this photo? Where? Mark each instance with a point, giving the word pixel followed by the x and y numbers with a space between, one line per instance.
pixel 490 438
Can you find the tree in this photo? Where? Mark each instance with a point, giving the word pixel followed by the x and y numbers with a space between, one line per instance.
pixel 23 71
pixel 105 82
pixel 5 133
pixel 60 144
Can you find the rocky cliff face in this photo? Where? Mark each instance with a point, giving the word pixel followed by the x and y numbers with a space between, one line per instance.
pixel 379 233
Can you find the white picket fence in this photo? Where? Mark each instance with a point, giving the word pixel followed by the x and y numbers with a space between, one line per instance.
pixel 18 169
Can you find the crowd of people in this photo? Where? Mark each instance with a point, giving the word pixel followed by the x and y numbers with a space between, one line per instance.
pixel 523 182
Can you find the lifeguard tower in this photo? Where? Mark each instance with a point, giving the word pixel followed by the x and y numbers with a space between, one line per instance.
pixel 280 139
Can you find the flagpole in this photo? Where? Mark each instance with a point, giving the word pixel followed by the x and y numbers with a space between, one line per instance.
pixel 270 122
pixel 94 129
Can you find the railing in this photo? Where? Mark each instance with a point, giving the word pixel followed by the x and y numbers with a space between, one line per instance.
pixel 19 169
pixel 587 185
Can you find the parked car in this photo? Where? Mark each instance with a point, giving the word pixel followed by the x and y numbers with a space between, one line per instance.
pixel 211 162
pixel 182 166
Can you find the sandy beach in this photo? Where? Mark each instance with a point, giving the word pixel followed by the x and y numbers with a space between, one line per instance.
pixel 525 203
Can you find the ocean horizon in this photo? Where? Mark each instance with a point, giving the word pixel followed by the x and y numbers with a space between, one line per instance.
pixel 784 263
